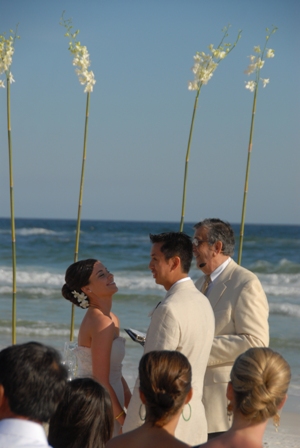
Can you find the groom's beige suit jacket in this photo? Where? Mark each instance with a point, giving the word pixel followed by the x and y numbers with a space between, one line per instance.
pixel 241 321
pixel 183 321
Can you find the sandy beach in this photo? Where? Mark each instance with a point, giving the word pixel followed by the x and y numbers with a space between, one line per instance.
pixel 288 435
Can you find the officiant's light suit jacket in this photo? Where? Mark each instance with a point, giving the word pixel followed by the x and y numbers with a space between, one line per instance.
pixel 241 321
pixel 183 321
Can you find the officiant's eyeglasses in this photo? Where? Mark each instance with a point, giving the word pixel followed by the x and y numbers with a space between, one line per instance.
pixel 197 242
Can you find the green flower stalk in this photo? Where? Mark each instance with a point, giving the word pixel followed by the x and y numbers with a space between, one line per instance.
pixel 6 54
pixel 81 60
pixel 257 62
pixel 203 69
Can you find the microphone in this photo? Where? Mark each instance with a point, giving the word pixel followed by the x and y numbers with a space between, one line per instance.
pixel 201 265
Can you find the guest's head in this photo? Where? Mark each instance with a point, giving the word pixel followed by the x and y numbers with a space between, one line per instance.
pixel 213 242
pixel 259 382
pixel 85 280
pixel 32 381
pixel 171 256
pixel 165 385
pixel 84 417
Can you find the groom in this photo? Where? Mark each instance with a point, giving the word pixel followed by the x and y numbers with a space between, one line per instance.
pixel 183 321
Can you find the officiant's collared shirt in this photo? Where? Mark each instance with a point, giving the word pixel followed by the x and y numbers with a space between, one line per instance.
pixel 214 275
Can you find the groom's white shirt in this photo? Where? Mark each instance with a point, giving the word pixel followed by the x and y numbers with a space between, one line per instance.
pixel 183 321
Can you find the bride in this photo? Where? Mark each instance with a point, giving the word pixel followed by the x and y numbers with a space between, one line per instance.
pixel 100 348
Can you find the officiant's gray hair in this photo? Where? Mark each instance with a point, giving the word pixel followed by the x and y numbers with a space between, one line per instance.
pixel 218 230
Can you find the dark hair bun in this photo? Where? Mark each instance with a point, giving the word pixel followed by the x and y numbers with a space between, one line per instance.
pixel 165 400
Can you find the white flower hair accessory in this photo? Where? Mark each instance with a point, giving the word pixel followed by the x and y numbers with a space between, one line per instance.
pixel 81 299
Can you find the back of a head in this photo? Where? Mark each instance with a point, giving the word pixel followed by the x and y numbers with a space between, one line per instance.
pixel 260 378
pixel 33 379
pixel 84 417
pixel 165 380
pixel 175 244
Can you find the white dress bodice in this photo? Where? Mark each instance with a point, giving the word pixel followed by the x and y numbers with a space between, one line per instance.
pixel 85 368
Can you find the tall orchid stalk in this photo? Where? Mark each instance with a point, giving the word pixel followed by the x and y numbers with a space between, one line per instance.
pixel 257 62
pixel 81 60
pixel 203 69
pixel 6 54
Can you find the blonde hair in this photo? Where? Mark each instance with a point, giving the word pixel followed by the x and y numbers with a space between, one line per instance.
pixel 260 378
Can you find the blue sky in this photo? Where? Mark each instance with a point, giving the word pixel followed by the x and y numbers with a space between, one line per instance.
pixel 140 111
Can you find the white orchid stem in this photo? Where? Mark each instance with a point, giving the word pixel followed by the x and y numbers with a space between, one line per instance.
pixel 187 157
pixel 241 240
pixel 80 203
pixel 247 177
pixel 12 218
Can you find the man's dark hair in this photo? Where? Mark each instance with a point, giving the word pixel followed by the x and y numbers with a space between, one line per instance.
pixel 175 244
pixel 218 230
pixel 33 379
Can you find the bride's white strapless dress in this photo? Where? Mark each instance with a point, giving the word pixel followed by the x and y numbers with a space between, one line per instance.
pixel 84 369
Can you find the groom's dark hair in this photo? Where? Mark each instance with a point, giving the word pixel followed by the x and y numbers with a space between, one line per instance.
pixel 175 244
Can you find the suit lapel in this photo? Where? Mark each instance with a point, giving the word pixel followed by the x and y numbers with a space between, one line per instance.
pixel 218 289
pixel 173 290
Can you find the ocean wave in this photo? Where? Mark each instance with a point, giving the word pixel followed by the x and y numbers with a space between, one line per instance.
pixel 294 388
pixel 34 281
pixel 283 266
pixel 287 285
pixel 32 278
pixel 38 292
pixel 35 231
pixel 31 231
pixel 285 309
pixel 37 328
pixel 136 283
pixel 127 280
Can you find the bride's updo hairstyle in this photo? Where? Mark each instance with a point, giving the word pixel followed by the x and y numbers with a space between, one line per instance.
pixel 165 380
pixel 260 380
pixel 77 276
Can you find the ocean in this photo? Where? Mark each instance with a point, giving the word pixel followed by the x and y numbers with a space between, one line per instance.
pixel 45 248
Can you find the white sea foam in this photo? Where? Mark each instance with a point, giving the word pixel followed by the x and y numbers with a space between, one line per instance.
pixel 34 231
pixel 30 291
pixel 286 309
pixel 29 231
pixel 46 330
pixel 32 277
pixel 282 266
pixel 294 388
pixel 41 282
pixel 287 285
pixel 134 282
pixel 124 280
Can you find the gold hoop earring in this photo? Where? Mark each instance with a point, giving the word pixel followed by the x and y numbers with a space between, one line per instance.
pixel 229 411
pixel 142 417
pixel 189 417
pixel 276 421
